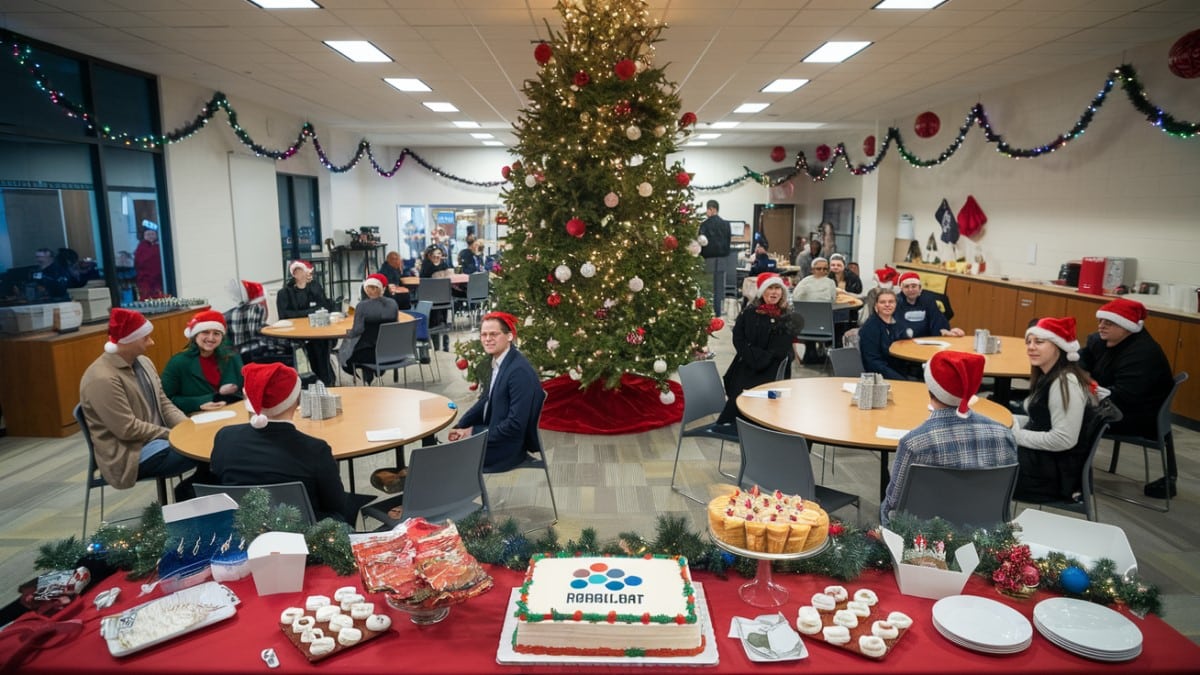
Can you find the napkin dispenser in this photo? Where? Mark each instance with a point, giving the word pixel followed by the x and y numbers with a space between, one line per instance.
pixel 872 391
pixel 319 318
pixel 985 342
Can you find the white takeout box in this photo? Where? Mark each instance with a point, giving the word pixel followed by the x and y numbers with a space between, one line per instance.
pixel 1083 540
pixel 930 582
pixel 277 561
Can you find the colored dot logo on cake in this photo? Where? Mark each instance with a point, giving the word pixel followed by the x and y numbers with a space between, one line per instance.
pixel 600 574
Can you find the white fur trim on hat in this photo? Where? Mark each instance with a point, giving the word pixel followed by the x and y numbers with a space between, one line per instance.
pixel 1071 348
pixel 298 263
pixel 259 420
pixel 773 280
pixel 372 281
pixel 1125 313
pixel 132 336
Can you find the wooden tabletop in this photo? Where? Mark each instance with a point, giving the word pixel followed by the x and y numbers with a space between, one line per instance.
pixel 1010 361
pixel 301 329
pixel 413 414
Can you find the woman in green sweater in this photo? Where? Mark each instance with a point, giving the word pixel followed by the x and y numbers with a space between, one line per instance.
pixel 207 374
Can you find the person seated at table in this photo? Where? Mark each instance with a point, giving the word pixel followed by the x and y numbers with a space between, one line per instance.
pixel 762 336
pixel 917 310
pixel 816 287
pixel 245 322
pixel 434 265
pixel 953 435
pixel 470 259
pixel 300 297
pixel 876 335
pixel 1050 447
pixel 270 449
pixel 508 409
pixel 762 261
pixel 207 373
pixel 843 278
pixel 1132 371
pixel 392 270
pixel 369 314
pixel 805 259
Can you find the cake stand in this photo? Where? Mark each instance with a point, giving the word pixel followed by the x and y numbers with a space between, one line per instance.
pixel 419 615
pixel 762 591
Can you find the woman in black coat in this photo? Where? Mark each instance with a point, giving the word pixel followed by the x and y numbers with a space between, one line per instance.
pixel 300 297
pixel 762 337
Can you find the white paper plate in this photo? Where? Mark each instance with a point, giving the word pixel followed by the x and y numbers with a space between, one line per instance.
pixel 982 621
pixel 1111 657
pixel 998 651
pixel 1088 626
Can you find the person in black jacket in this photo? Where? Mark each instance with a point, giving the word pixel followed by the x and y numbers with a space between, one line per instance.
pixel 369 314
pixel 714 247
pixel 302 296
pixel 762 337
pixel 392 270
pixel 876 335
pixel 433 263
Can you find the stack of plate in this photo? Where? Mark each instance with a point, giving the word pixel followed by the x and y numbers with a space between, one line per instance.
pixel 1087 629
pixel 982 625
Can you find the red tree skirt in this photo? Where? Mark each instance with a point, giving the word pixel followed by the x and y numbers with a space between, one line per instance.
pixel 633 408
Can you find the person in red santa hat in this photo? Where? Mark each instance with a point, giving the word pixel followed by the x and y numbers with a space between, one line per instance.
pixel 953 435
pixel 207 374
pixel 918 312
pixel 1050 444
pixel 1131 370
pixel 270 449
pixel 300 297
pixel 369 314
pixel 127 414
pixel 762 336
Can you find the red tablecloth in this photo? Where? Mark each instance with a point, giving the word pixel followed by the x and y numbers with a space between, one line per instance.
pixel 466 642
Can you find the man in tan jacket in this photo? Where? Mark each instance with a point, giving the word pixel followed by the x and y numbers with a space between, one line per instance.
pixel 127 413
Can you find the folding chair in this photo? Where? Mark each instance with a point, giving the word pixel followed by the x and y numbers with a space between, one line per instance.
pixel 980 497
pixel 444 481
pixel 703 395
pixel 773 460
pixel 291 493
pixel 1163 441
pixel 95 480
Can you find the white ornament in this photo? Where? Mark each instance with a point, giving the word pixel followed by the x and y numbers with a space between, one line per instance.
pixel 645 189
pixel 574 374
pixel 609 303
pixel 660 131
pixel 641 65
pixel 562 273
pixel 703 240
pixel 693 247
pixel 667 397
pixel 551 344
pixel 542 224
pixel 529 321
pixel 636 284
pixel 585 117
pixel 633 132
pixel 660 366
pixel 636 160
pixel 588 270
pixel 530 180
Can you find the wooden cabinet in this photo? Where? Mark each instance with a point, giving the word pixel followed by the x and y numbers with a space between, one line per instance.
pixel 959 290
pixel 1025 312
pixel 1187 358
pixel 1049 304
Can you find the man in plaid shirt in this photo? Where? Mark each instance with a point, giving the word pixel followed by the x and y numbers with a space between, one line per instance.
pixel 953 436
pixel 244 323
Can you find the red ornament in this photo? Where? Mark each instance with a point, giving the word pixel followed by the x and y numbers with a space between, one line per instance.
pixel 670 243
pixel 869 146
pixel 701 303
pixel 516 166
pixel 543 53
pixel 473 386
pixel 641 331
pixel 576 228
pixel 716 324
pixel 551 279
pixel 823 152
pixel 634 338
pixel 927 124
pixel 601 313
pixel 581 79
pixel 1184 57
pixel 778 153
pixel 683 178
pixel 835 529
pixel 687 119
pixel 622 108
pixel 554 299
pixel 505 171
pixel 461 364
pixel 625 69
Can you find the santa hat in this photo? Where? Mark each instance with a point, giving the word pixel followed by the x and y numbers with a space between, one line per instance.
pixel 906 277
pixel 253 291
pixel 304 264
pixel 1060 331
pixel 1128 314
pixel 125 326
pixel 885 275
pixel 270 389
pixel 206 320
pixel 954 377
pixel 767 280
pixel 377 280
pixel 504 318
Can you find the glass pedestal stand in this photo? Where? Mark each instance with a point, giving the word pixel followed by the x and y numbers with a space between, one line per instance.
pixel 762 591
pixel 419 616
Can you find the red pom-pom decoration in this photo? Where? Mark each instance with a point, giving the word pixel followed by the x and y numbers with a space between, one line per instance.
pixel 461 364
pixel 701 303
pixel 581 79
pixel 576 227
pixel 680 619
pixel 683 179
pixel 869 146
pixel 716 324
pixel 505 171
pixel 543 53
pixel 625 69
pixel 670 243
pixel 1184 57
pixel 927 124
pixel 778 153
pixel 687 119
pixel 554 299
pixel 823 152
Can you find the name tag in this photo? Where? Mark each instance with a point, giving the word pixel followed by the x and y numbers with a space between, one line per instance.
pixel 914 315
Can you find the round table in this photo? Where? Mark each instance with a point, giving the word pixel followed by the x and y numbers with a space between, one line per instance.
pixel 301 329
pixel 819 409
pixel 413 414
pixel 1010 361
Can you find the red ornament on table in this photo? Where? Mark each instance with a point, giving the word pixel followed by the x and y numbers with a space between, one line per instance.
pixel 670 243
pixel 1184 57
pixel 687 119
pixel 576 228
pixel 461 364
pixel 683 179
pixel 701 303
pixel 581 79
pixel 543 53
pixel 869 146
pixel 778 153
pixel 823 153
pixel 625 69
pixel 554 299
pixel 927 124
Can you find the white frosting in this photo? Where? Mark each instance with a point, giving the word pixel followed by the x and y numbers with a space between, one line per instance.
pixel 340 621
pixel 872 645
pixel 341 593
pixel 327 612
pixel 824 602
pixel 321 646
pixel 808 620
pixel 838 592
pixel 885 629
pixel 349 636
pixel 312 634
pixel 314 602
pixel 866 595
pixel 836 635
pixel 290 614
pixel 860 609
pixel 844 617
pixel 302 624
pixel 899 620
pixel 379 622
pixel 352 599
pixel 361 610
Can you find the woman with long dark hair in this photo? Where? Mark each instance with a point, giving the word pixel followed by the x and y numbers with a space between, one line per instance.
pixel 207 374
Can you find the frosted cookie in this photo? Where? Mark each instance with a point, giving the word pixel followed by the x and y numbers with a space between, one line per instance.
pixel 341 593
pixel 348 637
pixel 315 602
pixel 885 629
pixel 290 614
pixel 844 617
pixel 872 645
pixel 866 595
pixel 379 622
pixel 312 634
pixel 824 602
pixel 340 621
pixel 836 635
pixel 808 621
pixel 321 646
pixel 361 610
pixel 860 609
pixel 352 599
pixel 838 592
pixel 302 624
pixel 327 612
pixel 899 620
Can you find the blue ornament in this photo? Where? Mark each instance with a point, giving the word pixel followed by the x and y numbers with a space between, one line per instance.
pixel 727 558
pixel 1074 580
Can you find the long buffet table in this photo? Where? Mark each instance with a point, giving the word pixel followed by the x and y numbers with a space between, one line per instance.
pixel 467 641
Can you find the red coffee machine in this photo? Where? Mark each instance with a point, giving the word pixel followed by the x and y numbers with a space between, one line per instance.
pixel 1091 276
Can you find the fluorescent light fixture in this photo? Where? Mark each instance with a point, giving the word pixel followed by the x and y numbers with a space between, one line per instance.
pixel 784 86
pixel 908 4
pixel 835 52
pixel 707 137
pixel 747 108
pixel 466 124
pixel 440 106
pixel 493 143
pixel 358 51
pixel 286 4
pixel 724 125
pixel 407 83
pixel 482 136
pixel 696 144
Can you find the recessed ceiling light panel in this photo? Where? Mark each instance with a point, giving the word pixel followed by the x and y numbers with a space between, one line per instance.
pixel 493 143
pixel 908 4
pixel 407 83
pixel 707 137
pixel 784 85
pixel 286 4
pixel 695 144
pixel 440 106
pixel 835 52
pixel 724 125
pixel 482 136
pixel 466 124
pixel 747 108
pixel 358 51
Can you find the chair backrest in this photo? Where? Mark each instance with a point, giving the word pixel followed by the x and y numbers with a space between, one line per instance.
pixel 478 285
pixel 847 362
pixel 1164 412
pixel 775 461
pixel 291 493
pixel 445 480
pixel 818 319
pixel 436 291
pixel 94 478
pixel 781 373
pixel 731 274
pixel 1088 507
pixel 703 393
pixel 396 342
pixel 423 307
pixel 962 496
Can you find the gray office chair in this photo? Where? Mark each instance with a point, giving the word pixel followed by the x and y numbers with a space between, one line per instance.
pixel 733 284
pixel 291 493
pixel 537 460
pixel 95 480
pixel 777 461
pixel 478 288
pixel 424 307
pixel 1087 503
pixel 444 481
pixel 818 321
pixel 703 395
pixel 1163 440
pixel 980 497
pixel 846 361
pixel 395 349
pixel 437 292
pixel 781 373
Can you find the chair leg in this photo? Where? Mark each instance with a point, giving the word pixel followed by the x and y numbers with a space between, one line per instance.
pixel 675 468
pixel 1116 454
pixel 87 498
pixel 720 457
pixel 550 486
pixel 162 490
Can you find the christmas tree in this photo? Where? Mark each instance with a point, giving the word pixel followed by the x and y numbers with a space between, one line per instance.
pixel 601 256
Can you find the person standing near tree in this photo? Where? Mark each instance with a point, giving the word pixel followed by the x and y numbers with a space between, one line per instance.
pixel 714 249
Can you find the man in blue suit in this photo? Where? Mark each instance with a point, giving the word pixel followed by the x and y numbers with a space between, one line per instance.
pixel 510 407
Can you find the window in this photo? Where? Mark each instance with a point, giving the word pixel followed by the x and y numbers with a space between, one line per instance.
pixel 299 217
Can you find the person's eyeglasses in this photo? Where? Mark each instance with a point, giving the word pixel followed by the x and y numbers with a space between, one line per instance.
pixel 490 336
pixel 820 269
